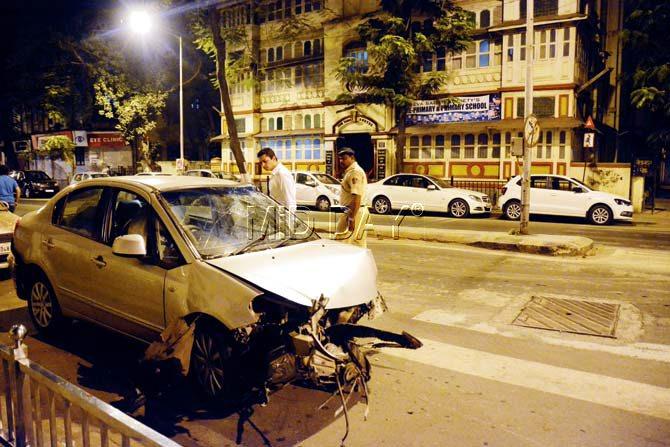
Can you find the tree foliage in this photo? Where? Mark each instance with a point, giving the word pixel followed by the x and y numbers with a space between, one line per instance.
pixel 648 44
pixel 396 47
pixel 59 147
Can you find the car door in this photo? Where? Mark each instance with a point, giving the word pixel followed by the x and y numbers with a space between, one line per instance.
pixel 416 192
pixel 562 199
pixel 130 290
pixel 304 193
pixel 66 248
pixel 539 195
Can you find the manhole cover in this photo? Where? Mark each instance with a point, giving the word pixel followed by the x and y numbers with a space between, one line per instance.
pixel 579 317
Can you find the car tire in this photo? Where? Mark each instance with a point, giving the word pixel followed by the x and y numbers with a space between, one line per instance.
pixel 459 208
pixel 43 307
pixel 600 215
pixel 512 210
pixel 322 203
pixel 211 368
pixel 381 205
pixel 26 193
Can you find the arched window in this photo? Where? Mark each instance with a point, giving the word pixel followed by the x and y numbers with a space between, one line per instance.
pixel 297 49
pixel 287 51
pixel 317 121
pixel 307 48
pixel 308 149
pixel 280 123
pixel 288 122
pixel 469 146
pixel 317 47
pixel 271 124
pixel 316 146
pixel 456 146
pixel 482 145
pixel 279 53
pixel 271 54
pixel 485 19
pixel 308 121
pixel 264 124
pixel 298 121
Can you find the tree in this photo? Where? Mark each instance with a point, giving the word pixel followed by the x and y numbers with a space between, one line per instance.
pixel 648 45
pixel 59 147
pixel 398 39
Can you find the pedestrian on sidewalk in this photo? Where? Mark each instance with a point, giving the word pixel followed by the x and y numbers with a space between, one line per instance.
pixel 282 183
pixel 9 189
pixel 351 224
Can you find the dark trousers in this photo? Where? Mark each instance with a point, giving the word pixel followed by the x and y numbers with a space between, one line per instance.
pixel 12 207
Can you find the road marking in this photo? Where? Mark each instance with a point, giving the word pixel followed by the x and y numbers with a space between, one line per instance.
pixel 643 351
pixel 616 393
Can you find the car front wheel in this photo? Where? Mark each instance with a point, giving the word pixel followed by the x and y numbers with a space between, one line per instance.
pixel 512 210
pixel 322 203
pixel 210 361
pixel 600 215
pixel 459 208
pixel 381 205
pixel 43 306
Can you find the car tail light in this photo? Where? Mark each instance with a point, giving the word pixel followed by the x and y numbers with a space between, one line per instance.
pixel 504 190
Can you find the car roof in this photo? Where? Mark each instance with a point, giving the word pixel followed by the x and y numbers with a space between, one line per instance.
pixel 162 183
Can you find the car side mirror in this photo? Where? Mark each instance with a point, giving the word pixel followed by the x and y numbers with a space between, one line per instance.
pixel 130 245
pixel 431 188
pixel 311 183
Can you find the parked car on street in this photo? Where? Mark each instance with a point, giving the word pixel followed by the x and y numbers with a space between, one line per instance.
pixel 209 173
pixel 135 254
pixel 558 195
pixel 7 224
pixel 152 174
pixel 80 177
pixel 35 184
pixel 431 194
pixel 317 189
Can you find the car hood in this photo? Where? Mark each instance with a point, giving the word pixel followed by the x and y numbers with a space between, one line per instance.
pixel 345 274
pixel 605 196
pixel 463 192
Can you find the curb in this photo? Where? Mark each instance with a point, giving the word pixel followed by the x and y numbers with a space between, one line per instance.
pixel 542 244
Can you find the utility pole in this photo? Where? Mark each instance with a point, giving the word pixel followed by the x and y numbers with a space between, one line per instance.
pixel 528 103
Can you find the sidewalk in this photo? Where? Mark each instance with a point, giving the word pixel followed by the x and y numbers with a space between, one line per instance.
pixel 543 244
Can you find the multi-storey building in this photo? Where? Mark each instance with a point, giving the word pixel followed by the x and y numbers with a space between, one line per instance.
pixel 289 103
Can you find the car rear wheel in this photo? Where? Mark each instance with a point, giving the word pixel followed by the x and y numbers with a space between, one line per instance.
pixel 459 208
pixel 600 215
pixel 381 205
pixel 210 361
pixel 512 210
pixel 43 306
pixel 322 203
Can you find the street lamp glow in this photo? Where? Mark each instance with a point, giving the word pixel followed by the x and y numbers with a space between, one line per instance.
pixel 140 22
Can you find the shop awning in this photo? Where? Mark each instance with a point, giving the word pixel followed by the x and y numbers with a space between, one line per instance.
pixel 492 126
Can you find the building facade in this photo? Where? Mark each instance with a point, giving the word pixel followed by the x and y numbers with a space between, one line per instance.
pixel 289 104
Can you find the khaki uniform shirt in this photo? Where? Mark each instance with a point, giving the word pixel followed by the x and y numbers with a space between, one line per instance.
pixel 354 182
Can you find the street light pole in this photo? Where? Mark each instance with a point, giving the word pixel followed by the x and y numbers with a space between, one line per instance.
pixel 181 106
pixel 525 183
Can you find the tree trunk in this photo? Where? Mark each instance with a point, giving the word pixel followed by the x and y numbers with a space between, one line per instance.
pixel 400 140
pixel 220 45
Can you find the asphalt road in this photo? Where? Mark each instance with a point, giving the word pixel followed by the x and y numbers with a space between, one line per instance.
pixel 478 380
pixel 646 231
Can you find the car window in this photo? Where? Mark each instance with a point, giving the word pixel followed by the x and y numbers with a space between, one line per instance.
pixel 301 178
pixel 404 180
pixel 538 182
pixel 130 215
pixel 37 176
pixel 166 249
pixel 393 181
pixel 415 181
pixel 326 179
pixel 80 212
pixel 561 184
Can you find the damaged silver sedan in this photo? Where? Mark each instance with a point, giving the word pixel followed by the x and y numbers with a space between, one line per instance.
pixel 260 297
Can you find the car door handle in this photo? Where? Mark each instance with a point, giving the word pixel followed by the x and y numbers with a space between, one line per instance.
pixel 48 243
pixel 99 261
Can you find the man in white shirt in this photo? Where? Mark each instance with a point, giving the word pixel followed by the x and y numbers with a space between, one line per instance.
pixel 282 183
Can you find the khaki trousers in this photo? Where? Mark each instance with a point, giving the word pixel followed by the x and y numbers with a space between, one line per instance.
pixel 359 235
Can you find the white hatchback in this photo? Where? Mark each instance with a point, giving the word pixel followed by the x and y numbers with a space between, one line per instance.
pixel 558 195
pixel 80 177
pixel 428 193
pixel 317 189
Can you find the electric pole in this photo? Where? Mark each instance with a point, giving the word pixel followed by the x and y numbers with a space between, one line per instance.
pixel 528 103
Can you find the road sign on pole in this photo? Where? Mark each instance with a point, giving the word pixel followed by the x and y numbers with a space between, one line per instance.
pixel 590 124
pixel 589 138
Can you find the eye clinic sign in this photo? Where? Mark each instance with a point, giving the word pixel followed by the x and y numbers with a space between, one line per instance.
pixel 106 139
pixel 456 109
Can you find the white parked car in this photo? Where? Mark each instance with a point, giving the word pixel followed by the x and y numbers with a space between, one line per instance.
pixel 210 174
pixel 409 191
pixel 317 189
pixel 152 174
pixel 558 195
pixel 135 254
pixel 80 177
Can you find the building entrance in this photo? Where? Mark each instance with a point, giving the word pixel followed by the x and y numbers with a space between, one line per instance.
pixel 361 143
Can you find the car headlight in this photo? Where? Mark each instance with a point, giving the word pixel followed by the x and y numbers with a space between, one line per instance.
pixel 622 202
pixel 476 198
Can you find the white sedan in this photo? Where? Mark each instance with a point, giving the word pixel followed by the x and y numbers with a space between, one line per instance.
pixel 317 189
pixel 80 177
pixel 563 196
pixel 412 191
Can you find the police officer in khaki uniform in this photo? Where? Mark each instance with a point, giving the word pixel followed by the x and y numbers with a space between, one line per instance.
pixel 351 225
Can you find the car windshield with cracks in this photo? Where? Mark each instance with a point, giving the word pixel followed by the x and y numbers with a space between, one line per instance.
pixel 225 221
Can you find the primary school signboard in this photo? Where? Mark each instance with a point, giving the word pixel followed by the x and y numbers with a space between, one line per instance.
pixel 454 110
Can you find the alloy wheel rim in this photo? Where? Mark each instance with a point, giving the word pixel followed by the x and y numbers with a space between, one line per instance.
pixel 458 209
pixel 381 206
pixel 514 211
pixel 41 304
pixel 322 205
pixel 209 364
pixel 600 215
